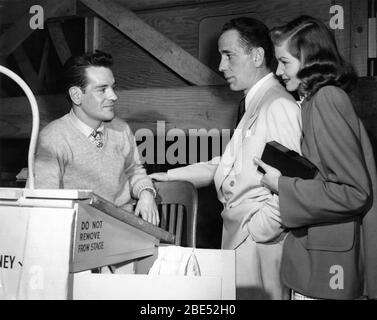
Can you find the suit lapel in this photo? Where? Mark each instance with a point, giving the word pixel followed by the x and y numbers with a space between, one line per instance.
pixel 255 105
pixel 235 144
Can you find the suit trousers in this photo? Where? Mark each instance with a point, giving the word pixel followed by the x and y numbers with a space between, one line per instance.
pixel 258 271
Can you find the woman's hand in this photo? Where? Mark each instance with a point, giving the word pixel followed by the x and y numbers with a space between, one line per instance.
pixel 271 177
pixel 159 176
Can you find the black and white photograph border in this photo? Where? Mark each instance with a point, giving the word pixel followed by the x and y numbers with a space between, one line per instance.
pixel 173 201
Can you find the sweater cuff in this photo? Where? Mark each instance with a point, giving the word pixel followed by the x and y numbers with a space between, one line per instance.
pixel 142 185
pixel 147 188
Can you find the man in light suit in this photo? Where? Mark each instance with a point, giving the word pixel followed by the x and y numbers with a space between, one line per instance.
pixel 271 114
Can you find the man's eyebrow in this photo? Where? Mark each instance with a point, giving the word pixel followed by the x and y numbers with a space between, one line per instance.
pixel 101 86
pixel 226 51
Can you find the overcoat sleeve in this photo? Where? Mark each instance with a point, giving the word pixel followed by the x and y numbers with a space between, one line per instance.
pixel 344 191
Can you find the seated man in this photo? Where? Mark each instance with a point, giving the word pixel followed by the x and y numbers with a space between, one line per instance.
pixel 89 148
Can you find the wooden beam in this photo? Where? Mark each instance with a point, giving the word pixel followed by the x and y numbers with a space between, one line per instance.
pixel 43 65
pixel 20 30
pixel 158 4
pixel 143 5
pixel 343 36
pixel 359 35
pixel 11 10
pixel 27 70
pixel 58 39
pixel 91 33
pixel 186 108
pixel 165 50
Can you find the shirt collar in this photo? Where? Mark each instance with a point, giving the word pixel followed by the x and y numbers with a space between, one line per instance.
pixel 302 99
pixel 254 89
pixel 83 127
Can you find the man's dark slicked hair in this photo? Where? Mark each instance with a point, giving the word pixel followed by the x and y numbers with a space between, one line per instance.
pixel 253 34
pixel 74 69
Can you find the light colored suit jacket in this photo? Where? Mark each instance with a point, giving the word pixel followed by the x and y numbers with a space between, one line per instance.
pixel 272 114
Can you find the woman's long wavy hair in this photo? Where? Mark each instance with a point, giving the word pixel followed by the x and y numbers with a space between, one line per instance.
pixel 312 43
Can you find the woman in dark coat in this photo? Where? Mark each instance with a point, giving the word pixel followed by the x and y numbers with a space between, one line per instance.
pixel 331 249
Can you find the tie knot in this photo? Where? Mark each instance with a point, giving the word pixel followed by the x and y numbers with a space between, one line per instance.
pixel 97 135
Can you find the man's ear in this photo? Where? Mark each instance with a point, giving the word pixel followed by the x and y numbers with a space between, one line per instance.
pixel 258 56
pixel 76 94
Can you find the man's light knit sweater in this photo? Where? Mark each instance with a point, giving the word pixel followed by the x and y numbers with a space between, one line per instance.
pixel 66 159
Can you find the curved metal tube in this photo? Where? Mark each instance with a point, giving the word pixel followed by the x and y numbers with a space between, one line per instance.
pixel 35 125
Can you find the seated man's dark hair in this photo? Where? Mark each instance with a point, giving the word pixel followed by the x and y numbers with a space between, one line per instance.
pixel 74 68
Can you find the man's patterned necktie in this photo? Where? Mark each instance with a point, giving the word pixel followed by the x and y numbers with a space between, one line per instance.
pixel 97 138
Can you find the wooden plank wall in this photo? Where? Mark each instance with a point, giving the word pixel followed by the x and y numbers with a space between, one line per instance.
pixel 137 69
pixel 186 108
pixel 353 39
pixel 364 99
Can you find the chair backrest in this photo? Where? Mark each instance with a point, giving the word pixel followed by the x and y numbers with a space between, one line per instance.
pixel 178 206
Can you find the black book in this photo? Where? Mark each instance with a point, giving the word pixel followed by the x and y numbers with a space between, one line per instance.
pixel 289 162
